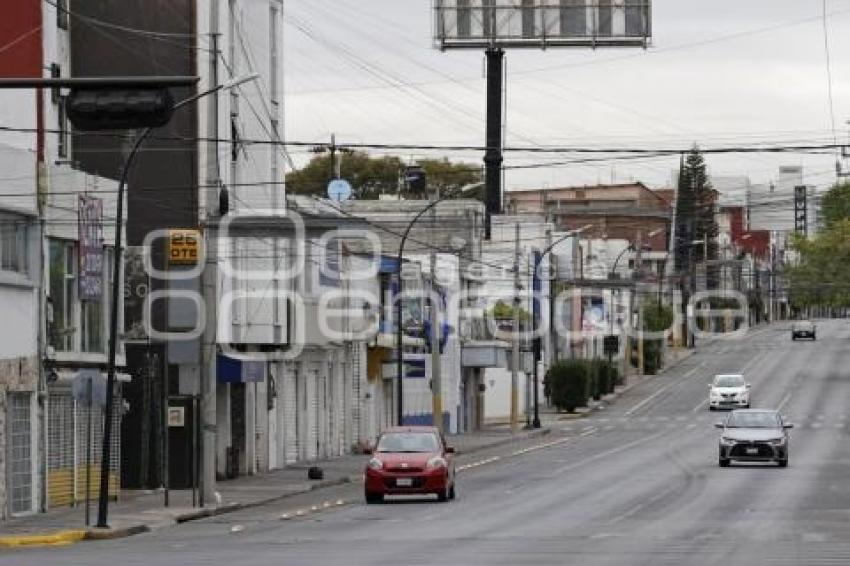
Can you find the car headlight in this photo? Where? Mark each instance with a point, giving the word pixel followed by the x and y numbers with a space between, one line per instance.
pixel 714 395
pixel 376 464
pixel 777 441
pixel 437 462
pixel 726 440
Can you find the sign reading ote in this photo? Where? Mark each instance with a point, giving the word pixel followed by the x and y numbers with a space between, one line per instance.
pixel 183 247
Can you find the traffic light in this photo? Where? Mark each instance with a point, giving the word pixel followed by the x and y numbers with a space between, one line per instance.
pixel 119 109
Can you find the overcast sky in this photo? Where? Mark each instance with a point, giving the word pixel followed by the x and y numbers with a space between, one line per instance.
pixel 719 72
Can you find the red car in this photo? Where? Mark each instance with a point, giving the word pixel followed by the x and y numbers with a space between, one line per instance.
pixel 411 460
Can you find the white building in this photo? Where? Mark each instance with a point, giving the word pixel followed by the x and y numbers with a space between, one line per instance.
pixel 54 303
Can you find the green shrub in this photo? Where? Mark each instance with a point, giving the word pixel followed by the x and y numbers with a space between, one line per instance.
pixel 569 384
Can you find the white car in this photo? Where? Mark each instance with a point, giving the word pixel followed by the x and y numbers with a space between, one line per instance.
pixel 729 391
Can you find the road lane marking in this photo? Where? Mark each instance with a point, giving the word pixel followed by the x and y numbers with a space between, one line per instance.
pixel 611 452
pixel 664 389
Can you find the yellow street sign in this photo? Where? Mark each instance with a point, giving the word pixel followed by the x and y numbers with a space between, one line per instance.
pixel 183 246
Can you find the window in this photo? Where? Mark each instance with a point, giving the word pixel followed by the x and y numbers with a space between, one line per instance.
pixel 604 27
pixel 63 287
pixel 528 18
pixel 635 26
pixel 62 119
pixel 62 14
pixel 573 18
pixel 464 18
pixel 14 248
pixel 488 18
pixel 55 73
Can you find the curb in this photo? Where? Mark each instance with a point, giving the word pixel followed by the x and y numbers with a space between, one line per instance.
pixel 53 539
pixel 121 532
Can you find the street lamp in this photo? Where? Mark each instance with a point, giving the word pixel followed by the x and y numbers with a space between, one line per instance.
pixel 399 330
pixel 538 257
pixel 103 500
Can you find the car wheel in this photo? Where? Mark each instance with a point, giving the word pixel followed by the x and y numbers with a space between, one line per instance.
pixel 372 498
pixel 794 338
pixel 710 408
pixel 783 463
pixel 443 496
pixel 747 406
pixel 724 462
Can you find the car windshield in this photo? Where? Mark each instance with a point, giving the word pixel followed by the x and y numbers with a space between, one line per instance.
pixel 729 381
pixel 803 325
pixel 753 420
pixel 408 442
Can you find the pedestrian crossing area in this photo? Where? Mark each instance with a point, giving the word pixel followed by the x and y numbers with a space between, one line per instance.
pixel 817 421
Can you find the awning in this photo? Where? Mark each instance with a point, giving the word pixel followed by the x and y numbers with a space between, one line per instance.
pixel 232 370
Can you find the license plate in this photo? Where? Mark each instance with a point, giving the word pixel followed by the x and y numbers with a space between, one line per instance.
pixel 404 482
pixel 752 451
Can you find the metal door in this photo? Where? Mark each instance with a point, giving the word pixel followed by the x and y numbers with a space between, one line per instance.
pixel 19 457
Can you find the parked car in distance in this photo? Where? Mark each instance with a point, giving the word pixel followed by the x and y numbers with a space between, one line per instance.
pixel 728 391
pixel 803 329
pixel 754 435
pixel 410 461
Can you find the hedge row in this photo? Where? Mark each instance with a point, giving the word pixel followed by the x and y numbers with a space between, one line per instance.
pixel 570 384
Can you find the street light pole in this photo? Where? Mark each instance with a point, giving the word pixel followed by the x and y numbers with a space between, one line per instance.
pixel 106 449
pixel 399 279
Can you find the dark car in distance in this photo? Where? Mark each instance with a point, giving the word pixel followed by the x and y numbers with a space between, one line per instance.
pixel 410 461
pixel 803 329
pixel 754 435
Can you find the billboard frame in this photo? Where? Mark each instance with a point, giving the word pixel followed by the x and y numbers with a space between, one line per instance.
pixel 496 31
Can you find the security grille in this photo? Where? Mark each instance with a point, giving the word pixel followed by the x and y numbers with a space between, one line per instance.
pixel 20 453
pixel 60 450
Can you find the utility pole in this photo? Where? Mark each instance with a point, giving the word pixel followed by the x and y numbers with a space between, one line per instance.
pixel 436 375
pixel 209 286
pixel 334 173
pixel 639 271
pixel 515 353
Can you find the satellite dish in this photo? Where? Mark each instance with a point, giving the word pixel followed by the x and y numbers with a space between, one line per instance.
pixel 339 190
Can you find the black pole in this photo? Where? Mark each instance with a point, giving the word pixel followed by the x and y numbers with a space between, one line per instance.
pixel 493 154
pixel 535 297
pixel 106 449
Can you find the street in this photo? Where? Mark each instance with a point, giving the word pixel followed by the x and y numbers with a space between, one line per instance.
pixel 637 483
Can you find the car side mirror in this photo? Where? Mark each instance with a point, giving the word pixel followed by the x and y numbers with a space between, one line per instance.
pixel 718 425
pixel 450 449
pixel 368 450
pixel 748 386
pixel 788 425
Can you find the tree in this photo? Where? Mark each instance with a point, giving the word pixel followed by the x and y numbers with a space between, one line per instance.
pixel 372 176
pixel 836 204
pixel 822 276
pixel 695 216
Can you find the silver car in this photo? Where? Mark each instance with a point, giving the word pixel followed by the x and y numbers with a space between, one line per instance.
pixel 803 329
pixel 754 435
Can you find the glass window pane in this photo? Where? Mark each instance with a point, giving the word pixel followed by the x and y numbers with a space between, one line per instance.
pixel 573 18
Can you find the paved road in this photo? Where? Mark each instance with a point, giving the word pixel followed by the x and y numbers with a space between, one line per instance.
pixel 636 484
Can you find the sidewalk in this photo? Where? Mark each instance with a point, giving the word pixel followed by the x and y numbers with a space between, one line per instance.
pixel 142 510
